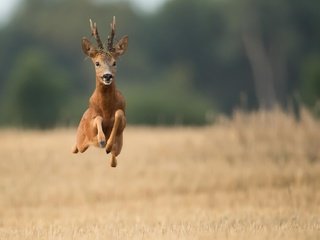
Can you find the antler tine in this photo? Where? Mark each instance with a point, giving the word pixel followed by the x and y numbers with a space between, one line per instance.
pixel 94 32
pixel 111 36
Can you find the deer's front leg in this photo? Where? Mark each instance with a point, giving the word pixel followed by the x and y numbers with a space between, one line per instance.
pixel 101 137
pixel 119 122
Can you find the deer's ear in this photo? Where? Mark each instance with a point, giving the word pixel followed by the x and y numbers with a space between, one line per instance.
pixel 121 46
pixel 88 48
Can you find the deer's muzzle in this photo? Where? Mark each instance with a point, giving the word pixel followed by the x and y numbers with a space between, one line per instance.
pixel 107 79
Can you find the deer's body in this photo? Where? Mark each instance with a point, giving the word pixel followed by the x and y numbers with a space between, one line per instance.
pixel 102 124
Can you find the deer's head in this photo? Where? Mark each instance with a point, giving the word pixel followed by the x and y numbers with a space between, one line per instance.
pixel 104 59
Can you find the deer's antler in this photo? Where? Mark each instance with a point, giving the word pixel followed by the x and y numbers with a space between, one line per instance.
pixel 94 32
pixel 111 36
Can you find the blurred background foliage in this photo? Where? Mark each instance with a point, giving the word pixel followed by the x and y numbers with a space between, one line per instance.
pixel 186 62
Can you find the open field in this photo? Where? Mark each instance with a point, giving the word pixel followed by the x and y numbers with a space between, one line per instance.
pixel 253 177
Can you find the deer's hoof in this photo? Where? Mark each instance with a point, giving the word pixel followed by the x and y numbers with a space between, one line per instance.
pixel 102 144
pixel 108 147
pixel 75 149
pixel 113 163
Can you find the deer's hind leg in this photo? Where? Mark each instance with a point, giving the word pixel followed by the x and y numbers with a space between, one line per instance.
pixel 118 126
pixel 114 144
pixel 81 144
pixel 116 149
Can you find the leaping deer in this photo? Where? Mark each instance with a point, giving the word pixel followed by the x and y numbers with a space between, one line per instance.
pixel 102 124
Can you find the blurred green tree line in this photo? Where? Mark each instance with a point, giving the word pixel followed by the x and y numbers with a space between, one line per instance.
pixel 186 62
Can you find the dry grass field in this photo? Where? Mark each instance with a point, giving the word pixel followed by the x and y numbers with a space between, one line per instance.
pixel 255 176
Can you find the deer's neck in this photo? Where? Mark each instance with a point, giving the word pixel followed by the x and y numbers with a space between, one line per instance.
pixel 104 97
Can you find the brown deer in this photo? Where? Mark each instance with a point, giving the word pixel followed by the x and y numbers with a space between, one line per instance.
pixel 102 124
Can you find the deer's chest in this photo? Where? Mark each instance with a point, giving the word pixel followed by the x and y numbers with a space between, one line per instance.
pixel 107 124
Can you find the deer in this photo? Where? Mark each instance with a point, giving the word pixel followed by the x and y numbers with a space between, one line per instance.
pixel 104 121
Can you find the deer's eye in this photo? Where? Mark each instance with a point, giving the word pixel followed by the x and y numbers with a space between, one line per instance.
pixel 114 63
pixel 97 64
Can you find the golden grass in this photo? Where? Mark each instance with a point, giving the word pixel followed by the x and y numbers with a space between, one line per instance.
pixel 256 176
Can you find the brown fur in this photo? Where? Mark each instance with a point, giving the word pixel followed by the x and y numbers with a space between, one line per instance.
pixel 102 124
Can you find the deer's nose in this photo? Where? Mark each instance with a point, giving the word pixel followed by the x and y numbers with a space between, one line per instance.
pixel 107 76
